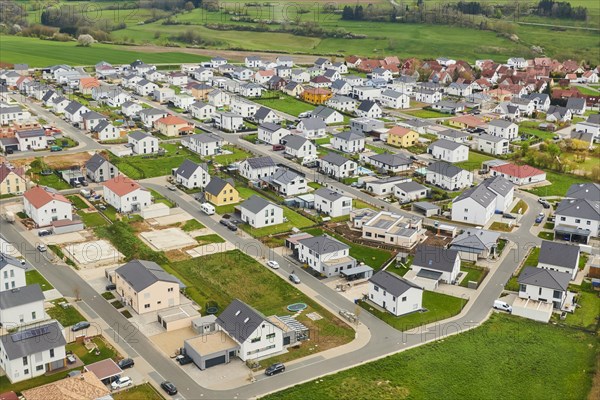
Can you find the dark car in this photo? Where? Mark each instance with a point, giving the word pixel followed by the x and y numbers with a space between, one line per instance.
pixel 169 387
pixel 509 216
pixel 275 369
pixel 80 325
pixel 224 222
pixel 184 359
pixel 111 286
pixel 546 205
pixel 231 226
pixel 126 363
pixel 539 219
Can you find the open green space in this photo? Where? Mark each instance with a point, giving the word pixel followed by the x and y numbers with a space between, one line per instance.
pixel 522 206
pixel 123 237
pixel 530 261
pixel 375 258
pixel 52 180
pixel 294 219
pixel 438 306
pixel 586 316
pixel 500 226
pixel 192 225
pixel 237 155
pixel 66 316
pixel 33 276
pixel 475 274
pixel 285 103
pixel 559 184
pixel 587 91
pixel 108 295
pixel 426 114
pixel 220 278
pixel 211 238
pixel 144 391
pixel 159 198
pixel 92 219
pixel 77 201
pixel 546 235
pixel 494 358
pixel 89 357
pixel 532 128
pixel 474 162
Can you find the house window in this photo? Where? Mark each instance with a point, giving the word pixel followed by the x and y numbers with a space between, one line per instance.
pixel 563 219
pixel 33 315
pixel 51 352
pixel 557 294
pixel 540 291
pixel 26 372
pixel 376 288
pixel 25 362
pixel 39 368
pixel 403 299
pixel 256 339
pixel 170 289
pixel 577 221
pixel 146 305
pixel 522 288
pixel 271 336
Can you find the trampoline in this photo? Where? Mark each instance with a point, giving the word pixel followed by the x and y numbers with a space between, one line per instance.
pixel 296 307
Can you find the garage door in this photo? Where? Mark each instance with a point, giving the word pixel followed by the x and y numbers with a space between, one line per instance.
pixel 214 361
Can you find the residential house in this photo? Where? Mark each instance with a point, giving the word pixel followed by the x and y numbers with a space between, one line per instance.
pixel 264 114
pixel 508 111
pixel 91 119
pixel 316 95
pixel 173 126
pixel 12 273
pixel 332 203
pixel 145 87
pixel 259 212
pixel 183 101
pixel 287 182
pixel 366 125
pixel 163 95
pixel 203 74
pixel 395 294
pixel 244 107
pixel 541 101
pixel 22 306
pixel 587 191
pixel 577 220
pixel 393 163
pixel 12 180
pixel 576 105
pixel 428 96
pixel 448 176
pixel 256 168
pixel 558 114
pixel 384 186
pixel 348 142
pixel 31 139
pixel 473 244
pixel 271 133
pixel 477 205
pixel 106 131
pixel 519 174
pixel 125 194
pixel 494 145
pixel 146 287
pixel 341 87
pixel 338 166
pixel 392 229
pixel 449 151
pixel 409 191
pixel 191 175
pixel 325 255
pixel 402 137
pixel 221 192
pixel 369 109
pixel 544 285
pixel 448 107
pixel 205 144
pixel 251 90
pixel 218 98
pixel 293 89
pixel 84 385
pixel 436 264
pixel 200 91
pixel 300 76
pixel 177 79
pixel 44 207
pixel 366 93
pixel 99 169
pixel 559 257
pixel 328 115
pixel 74 111
pixel 342 103
pixel 33 351
pixel 459 89
pixel 312 127
pixel 149 116
pixel 299 147
pixel 394 99
pixel 228 121
pixel 453 135
pixel 203 111
pixel 142 142
pixel 504 129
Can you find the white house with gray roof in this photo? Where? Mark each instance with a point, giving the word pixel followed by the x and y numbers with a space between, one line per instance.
pixel 99 169
pixel 577 220
pixel 325 255
pixel 312 127
pixel 12 273
pixel 105 130
pixel 142 142
pixel 390 162
pixel 287 182
pixel 332 203
pixel 587 191
pixel 477 205
pixel 259 212
pixel 202 111
pixel 191 175
pixel 369 109
pixel 271 133
pixel 410 191
pixel 342 103
pixel 504 129
pixel 494 145
pixel 205 144
pixel 33 351
pixel 264 114
pixel 561 257
pixel 449 151
pixel 349 142
pixel 448 176
pixel 338 166
pixel 299 147
pixel 22 306
pixel 453 135
pixel 256 168
pixel 544 285
pixel 74 111
pixel 328 115
pixel 436 264
pixel 473 244
pixel 393 99
pixel 149 116
pixel 384 186
pixel 395 294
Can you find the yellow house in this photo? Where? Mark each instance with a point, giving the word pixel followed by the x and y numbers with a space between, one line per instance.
pixel 12 181
pixel 172 125
pixel 220 192
pixel 146 287
pixel 402 137
pixel 316 95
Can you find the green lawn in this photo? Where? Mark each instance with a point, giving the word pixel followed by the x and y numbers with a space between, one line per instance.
pixel 587 315
pixel 530 261
pixel 124 238
pixel 521 205
pixel 66 316
pixel 159 198
pixel 54 181
pixel 500 226
pixel 473 274
pixel 211 238
pixel 33 276
pixel 108 295
pixel 192 225
pixel 373 257
pixel 226 159
pixel 92 219
pixel 106 351
pixel 474 162
pixel 220 278
pixel 559 184
pixel 439 306
pixel 426 114
pixel 496 360
pixel 144 391
pixel 78 201
pixel 284 103
pixel 375 149
pixel 294 220
pixel 150 166
pixel 588 91
pixel 357 203
pixel 546 235
pixel 531 128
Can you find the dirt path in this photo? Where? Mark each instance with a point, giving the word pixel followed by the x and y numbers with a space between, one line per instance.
pixel 234 55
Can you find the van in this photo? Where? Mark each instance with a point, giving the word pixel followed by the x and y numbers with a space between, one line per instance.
pixel 502 305
pixel 207 208
pixel 85 193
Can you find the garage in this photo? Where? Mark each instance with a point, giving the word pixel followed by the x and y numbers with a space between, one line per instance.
pixel 211 362
pixel 211 349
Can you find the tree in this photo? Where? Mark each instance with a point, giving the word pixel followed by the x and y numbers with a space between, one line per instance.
pixel 189 6
pixel 85 40
pixel 347 13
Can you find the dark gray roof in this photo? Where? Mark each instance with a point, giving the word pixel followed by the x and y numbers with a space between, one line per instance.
pixel 499 185
pixel 269 126
pixel 559 254
pixel 446 144
pixel 491 138
pixel 95 162
pixel 350 135
pixel 366 105
pixel 391 93
pixel 478 239
pixel 313 123
pixel 393 160
pixel 445 169
pixel 480 193
pixel 262 113
pixel 73 106
pixel 501 123
pixel 335 159
pixel 588 191
pixel 6 260
pixel 26 342
pixel 240 320
pixel 323 244
pixel 141 274
pixel 453 133
pixel 328 194
pixel 206 138
pixel 92 115
pixel 338 84
pixel 187 168
pixel 594 119
pixel 261 162
pixel 255 204
pixel 284 176
pixel 139 135
pixel 48 95
pixel 31 133
pixel 392 283
pixel 294 141
pixel 101 125
pixel 580 208
pixel 153 111
pixel 544 278
pixel 322 112
pixel 411 186
pixel 575 103
pixel 20 296
pixel 216 185
pixel 435 258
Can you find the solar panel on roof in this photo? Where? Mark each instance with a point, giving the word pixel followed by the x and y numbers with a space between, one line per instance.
pixel 30 333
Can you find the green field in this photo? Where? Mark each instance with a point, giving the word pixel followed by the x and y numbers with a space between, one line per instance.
pixel 496 360
pixel 66 316
pixel 106 351
pixel 439 306
pixel 474 162
pixel 559 184
pixel 426 114
pixel 33 276
pixel 284 103
pixel 92 219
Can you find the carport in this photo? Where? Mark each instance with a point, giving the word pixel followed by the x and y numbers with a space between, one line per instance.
pixel 105 370
pixel 571 234
pixel 67 226
pixel 209 350
pixel 428 279
pixel 358 272
pixel 426 208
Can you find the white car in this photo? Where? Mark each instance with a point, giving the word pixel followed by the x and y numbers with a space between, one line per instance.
pixel 273 264
pixel 121 383
pixel 41 247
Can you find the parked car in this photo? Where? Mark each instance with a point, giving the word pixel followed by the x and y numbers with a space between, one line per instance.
pixel 111 286
pixel 275 369
pixel 539 219
pixel 169 387
pixel 44 232
pixel 224 222
pixel 294 278
pixel 80 325
pixel 502 305
pixel 509 216
pixel 101 207
pixel 231 226
pixel 41 247
pixel 171 188
pixel 273 264
pixel 121 383
pixel 126 363
pixel 183 359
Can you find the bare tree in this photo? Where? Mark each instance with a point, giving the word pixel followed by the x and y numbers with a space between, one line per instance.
pixel 85 40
